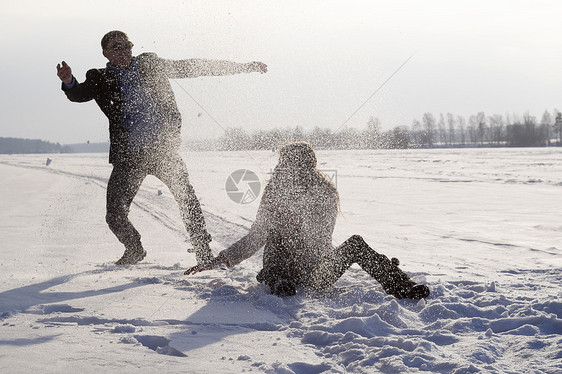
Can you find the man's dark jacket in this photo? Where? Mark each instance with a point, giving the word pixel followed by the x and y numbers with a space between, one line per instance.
pixel 102 86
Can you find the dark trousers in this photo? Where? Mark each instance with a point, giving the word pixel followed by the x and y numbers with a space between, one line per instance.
pixel 281 263
pixel 356 251
pixel 125 181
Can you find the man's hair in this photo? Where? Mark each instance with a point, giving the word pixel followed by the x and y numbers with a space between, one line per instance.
pixel 110 36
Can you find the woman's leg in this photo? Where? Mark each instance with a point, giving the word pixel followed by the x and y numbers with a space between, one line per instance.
pixel 393 280
pixel 280 268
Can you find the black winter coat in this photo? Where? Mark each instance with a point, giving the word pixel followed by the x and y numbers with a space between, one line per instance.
pixel 102 86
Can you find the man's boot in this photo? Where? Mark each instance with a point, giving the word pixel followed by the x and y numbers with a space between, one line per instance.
pixel 132 256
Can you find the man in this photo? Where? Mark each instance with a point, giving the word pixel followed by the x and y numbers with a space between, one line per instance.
pixel 144 129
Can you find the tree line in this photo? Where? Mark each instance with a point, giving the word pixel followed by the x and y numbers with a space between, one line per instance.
pixel 17 146
pixel 447 130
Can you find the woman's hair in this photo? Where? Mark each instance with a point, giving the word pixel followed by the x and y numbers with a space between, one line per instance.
pixel 297 169
pixel 297 155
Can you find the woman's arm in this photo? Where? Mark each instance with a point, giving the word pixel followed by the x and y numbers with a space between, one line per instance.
pixel 243 248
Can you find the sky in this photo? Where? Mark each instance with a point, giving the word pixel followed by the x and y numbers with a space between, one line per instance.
pixel 328 61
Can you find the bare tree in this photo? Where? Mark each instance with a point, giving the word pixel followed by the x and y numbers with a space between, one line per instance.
pixel 508 119
pixel 546 123
pixel 429 129
pixel 496 128
pixel 373 134
pixel 473 129
pixel 442 137
pixel 417 131
pixel 462 132
pixel 524 133
pixel 558 126
pixel 451 124
pixel 400 138
pixel 481 125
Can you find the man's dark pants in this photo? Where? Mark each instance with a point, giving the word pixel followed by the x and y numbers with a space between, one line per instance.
pixel 125 181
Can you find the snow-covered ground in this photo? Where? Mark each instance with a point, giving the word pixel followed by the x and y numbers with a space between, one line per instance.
pixel 482 227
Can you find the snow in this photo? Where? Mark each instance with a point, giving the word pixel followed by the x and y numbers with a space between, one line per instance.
pixel 480 226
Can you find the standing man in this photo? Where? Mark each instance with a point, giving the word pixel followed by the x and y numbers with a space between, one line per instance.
pixel 144 129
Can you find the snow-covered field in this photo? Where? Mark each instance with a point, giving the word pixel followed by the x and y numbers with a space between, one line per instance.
pixel 482 227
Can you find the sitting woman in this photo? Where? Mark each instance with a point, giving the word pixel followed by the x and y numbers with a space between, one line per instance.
pixel 295 222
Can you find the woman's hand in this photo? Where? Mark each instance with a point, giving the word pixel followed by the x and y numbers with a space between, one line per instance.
pixel 214 263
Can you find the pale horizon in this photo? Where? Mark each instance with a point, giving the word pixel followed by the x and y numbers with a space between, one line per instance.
pixel 325 60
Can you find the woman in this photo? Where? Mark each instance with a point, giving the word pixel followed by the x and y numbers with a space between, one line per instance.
pixel 295 222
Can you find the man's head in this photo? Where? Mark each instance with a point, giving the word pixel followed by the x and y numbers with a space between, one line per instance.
pixel 117 48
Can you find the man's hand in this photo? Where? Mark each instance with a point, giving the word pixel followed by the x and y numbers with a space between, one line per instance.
pixel 214 263
pixel 64 72
pixel 258 67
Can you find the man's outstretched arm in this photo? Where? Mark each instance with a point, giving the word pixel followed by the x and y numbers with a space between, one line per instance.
pixel 200 67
